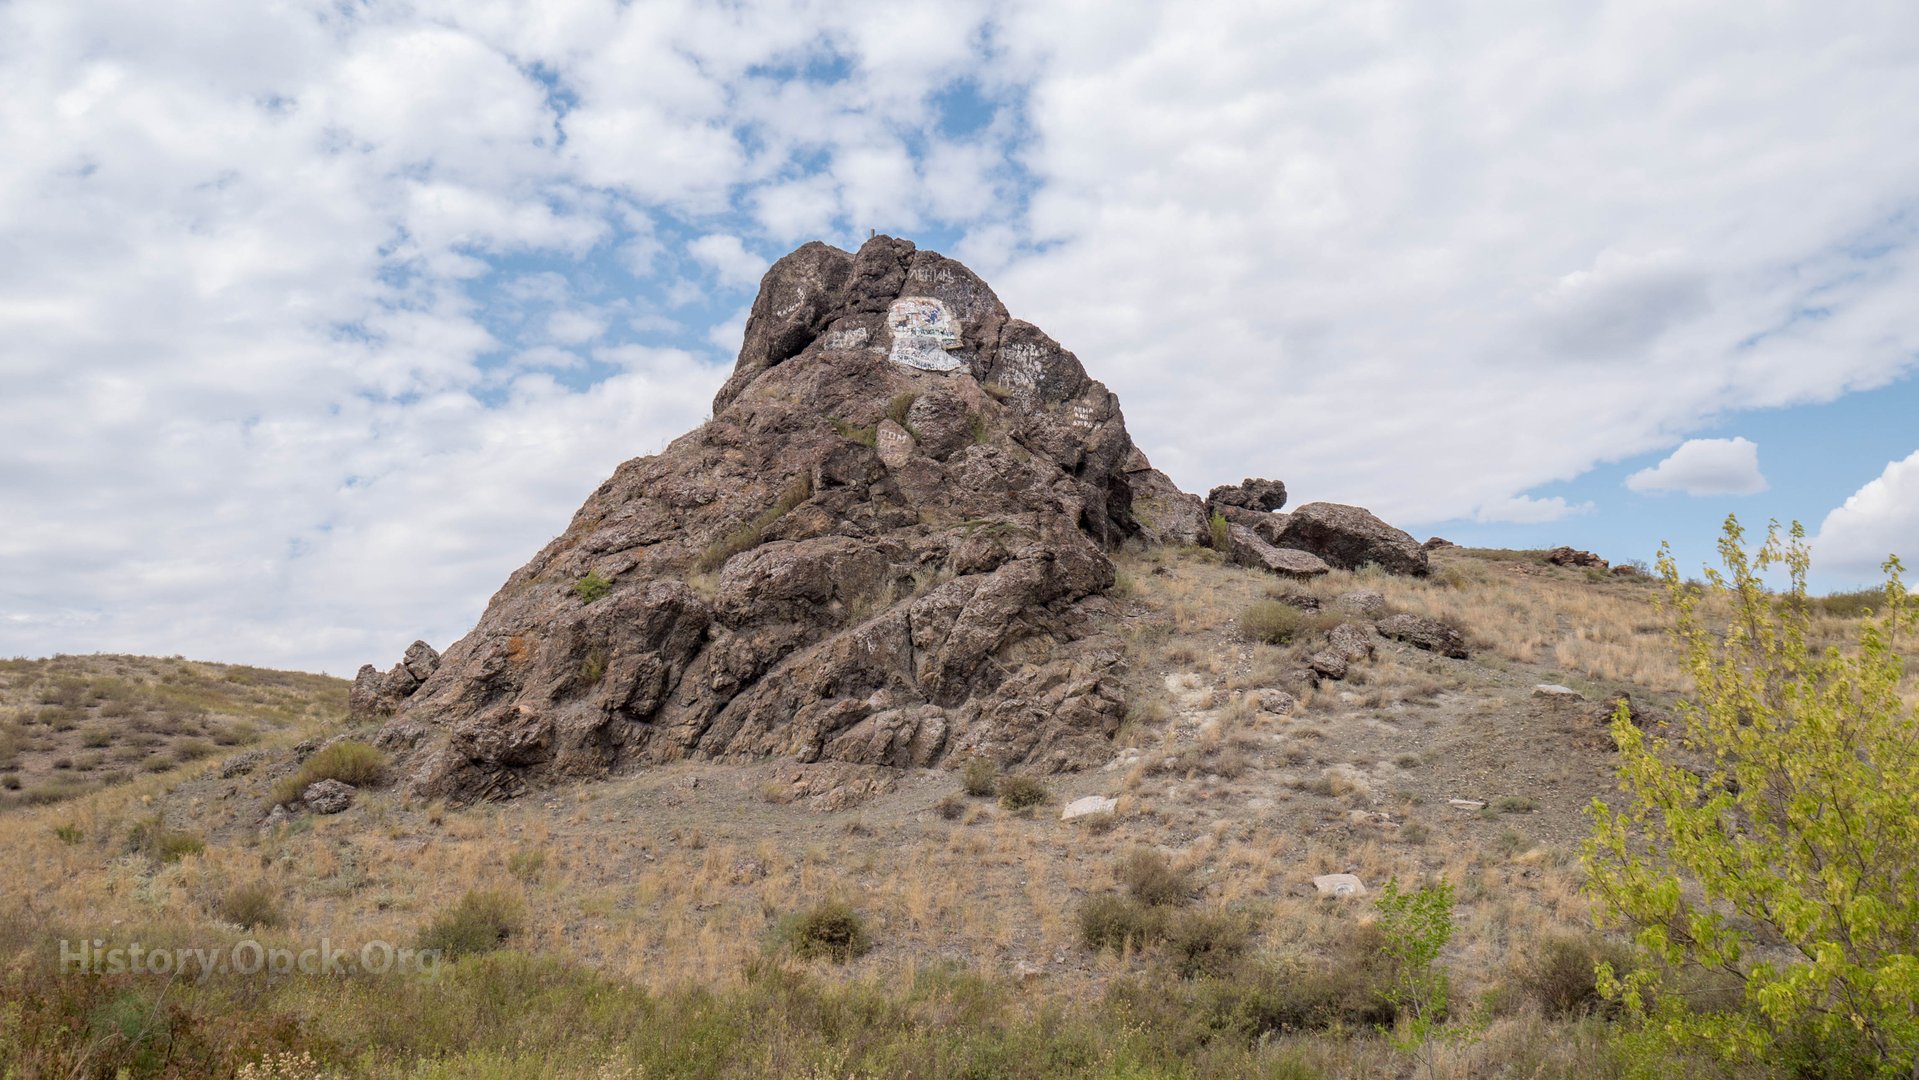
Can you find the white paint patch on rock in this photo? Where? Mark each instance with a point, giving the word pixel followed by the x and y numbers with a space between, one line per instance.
pixel 1339 885
pixel 924 334
pixel 1091 804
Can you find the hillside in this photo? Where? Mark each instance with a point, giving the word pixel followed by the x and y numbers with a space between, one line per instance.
pixel 685 878
pixel 73 724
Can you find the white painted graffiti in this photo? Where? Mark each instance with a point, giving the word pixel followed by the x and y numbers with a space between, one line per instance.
pixel 846 339
pixel 924 333
pixel 799 300
pixel 1020 366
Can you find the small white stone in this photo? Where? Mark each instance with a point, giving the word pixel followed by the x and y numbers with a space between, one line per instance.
pixel 1556 692
pixel 1340 885
pixel 1467 804
pixel 1091 804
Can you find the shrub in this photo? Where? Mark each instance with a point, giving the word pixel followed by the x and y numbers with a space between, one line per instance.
pixel 1110 921
pixel 349 762
pixel 1202 941
pixel 69 834
pixel 1022 793
pixel 1151 878
pixel 1514 804
pixel 832 930
pixel 481 922
pixel 980 778
pixel 1221 532
pixel 1769 832
pixel 1561 974
pixel 592 587
pixel 96 737
pixel 951 807
pixel 251 907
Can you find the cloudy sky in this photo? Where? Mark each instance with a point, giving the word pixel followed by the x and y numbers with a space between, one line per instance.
pixel 318 317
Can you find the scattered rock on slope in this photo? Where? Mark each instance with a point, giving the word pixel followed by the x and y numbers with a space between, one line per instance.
pixel 1566 556
pixel 775 584
pixel 1426 633
pixel 1248 549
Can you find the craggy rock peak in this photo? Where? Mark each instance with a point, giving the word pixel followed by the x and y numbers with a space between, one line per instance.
pixel 888 547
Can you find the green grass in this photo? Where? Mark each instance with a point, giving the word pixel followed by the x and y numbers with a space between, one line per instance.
pixel 831 930
pixel 349 762
pixel 483 920
pixel 592 587
pixel 753 533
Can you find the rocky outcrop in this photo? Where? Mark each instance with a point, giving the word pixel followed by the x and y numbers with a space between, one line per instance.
pixel 1165 514
pixel 888 547
pixel 1566 556
pixel 327 796
pixel 1349 537
pixel 375 695
pixel 1426 633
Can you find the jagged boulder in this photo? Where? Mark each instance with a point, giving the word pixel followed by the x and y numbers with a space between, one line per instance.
pixel 810 577
pixel 1349 537
pixel 1259 496
pixel 375 695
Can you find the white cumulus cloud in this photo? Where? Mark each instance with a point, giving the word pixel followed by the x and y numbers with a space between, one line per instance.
pixel 1880 519
pixel 1705 467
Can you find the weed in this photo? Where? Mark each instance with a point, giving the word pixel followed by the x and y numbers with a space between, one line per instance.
pixel 1022 793
pixel 753 533
pixel 592 587
pixel 251 907
pixel 980 778
pixel 349 762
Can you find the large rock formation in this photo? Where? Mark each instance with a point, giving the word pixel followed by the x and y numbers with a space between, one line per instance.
pixel 887 547
pixel 1349 537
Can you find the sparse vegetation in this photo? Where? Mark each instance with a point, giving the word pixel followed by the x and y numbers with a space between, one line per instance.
pixel 1277 623
pixel 898 409
pixel 592 587
pixel 865 436
pixel 753 533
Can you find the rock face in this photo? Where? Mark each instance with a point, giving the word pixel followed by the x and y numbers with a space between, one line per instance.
pixel 1349 537
pixel 887 547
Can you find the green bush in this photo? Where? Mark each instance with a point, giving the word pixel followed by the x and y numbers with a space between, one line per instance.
pixel 980 778
pixel 1022 793
pixel 527 864
pixel 592 587
pixel 1768 831
pixel 251 907
pixel 1221 532
pixel 69 834
pixel 349 762
pixel 832 930
pixel 482 921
